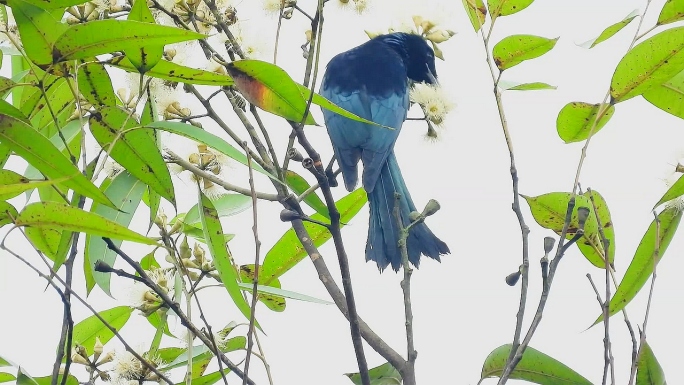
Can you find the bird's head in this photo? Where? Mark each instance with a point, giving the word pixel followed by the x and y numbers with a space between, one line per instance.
pixel 418 56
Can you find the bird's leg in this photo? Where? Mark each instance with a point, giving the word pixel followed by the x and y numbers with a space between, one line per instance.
pixel 330 174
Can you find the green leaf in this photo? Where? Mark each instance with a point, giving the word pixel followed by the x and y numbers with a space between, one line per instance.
pixel 39 27
pixel 534 366
pixel 13 184
pixel 270 88
pixel 328 105
pixel 40 153
pixel 267 296
pixel 55 215
pixel 675 191
pixel 226 205
pixel 211 140
pixel 7 377
pixel 649 371
pixel 649 64
pixel 95 84
pixel 7 212
pixel 534 86
pixel 549 212
pixel 610 31
pixel 126 193
pixel 213 234
pixel 668 96
pixel 47 380
pixel 515 49
pixel 208 379
pixel 135 149
pixel 476 11
pixel 98 37
pixel 288 251
pixel 24 378
pixel 576 119
pixel 506 7
pixel 55 4
pixel 170 354
pixel 384 374
pixel 275 291
pixel 6 86
pixel 173 72
pixel 645 257
pixel 591 245
pixel 298 184
pixel 673 10
pixel 91 328
pixel 143 58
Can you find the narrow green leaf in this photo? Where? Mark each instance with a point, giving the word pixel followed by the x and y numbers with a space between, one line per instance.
pixel 515 49
pixel 170 354
pixel 328 105
pixel 95 84
pixel 270 88
pixel 591 245
pixel 13 184
pixel 7 377
pixel 55 4
pixel 213 234
pixel 288 251
pixel 274 291
pixel 644 259
pixel 649 371
pixel 211 140
pixel 126 192
pixel 6 86
pixel 24 378
pixel 476 11
pixel 91 328
pixel 143 58
pixel 39 152
pixel 673 10
pixel 534 86
pixel 208 379
pixel 274 302
pixel 385 374
pixel 675 191
pixel 136 150
pixel 7 212
pixel 226 205
pixel 575 120
pixel 173 72
pixel 55 215
pixel 298 184
pixel 610 31
pixel 39 27
pixel 506 7
pixel 10 110
pixel 549 212
pixel 98 37
pixel 668 96
pixel 534 366
pixel 651 63
pixel 47 380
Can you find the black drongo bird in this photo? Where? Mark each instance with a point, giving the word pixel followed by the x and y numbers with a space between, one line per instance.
pixel 372 81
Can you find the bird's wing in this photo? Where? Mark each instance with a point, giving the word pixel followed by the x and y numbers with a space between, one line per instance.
pixel 390 111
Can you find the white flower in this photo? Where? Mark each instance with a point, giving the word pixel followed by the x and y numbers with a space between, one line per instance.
pixel 126 367
pixel 433 100
pixel 253 44
pixel 360 6
pixel 272 7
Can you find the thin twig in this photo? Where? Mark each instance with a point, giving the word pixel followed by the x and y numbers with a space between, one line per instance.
pixel 177 159
pixel 257 247
pixel 408 372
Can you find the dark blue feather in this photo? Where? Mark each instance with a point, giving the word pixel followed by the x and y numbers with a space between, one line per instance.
pixel 372 81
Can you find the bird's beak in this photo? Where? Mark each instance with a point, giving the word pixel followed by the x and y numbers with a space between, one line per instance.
pixel 431 76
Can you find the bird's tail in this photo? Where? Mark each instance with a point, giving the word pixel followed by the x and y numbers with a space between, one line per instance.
pixel 383 232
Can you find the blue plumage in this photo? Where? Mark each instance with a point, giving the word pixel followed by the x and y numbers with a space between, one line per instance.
pixel 372 81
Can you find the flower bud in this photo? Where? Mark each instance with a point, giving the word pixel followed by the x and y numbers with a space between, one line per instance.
pixel 184 247
pixel 414 216
pixel 440 36
pixel 582 215
pixel 549 242
pixel 512 279
pixel 431 207
pixel 98 348
pixel 189 264
pixel 79 359
pixel 107 358
pixel 289 215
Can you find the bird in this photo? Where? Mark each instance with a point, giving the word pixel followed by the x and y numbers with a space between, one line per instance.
pixel 373 81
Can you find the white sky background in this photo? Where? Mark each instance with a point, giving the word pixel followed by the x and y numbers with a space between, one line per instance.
pixel 462 307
